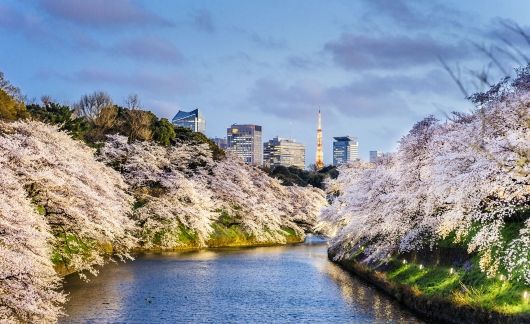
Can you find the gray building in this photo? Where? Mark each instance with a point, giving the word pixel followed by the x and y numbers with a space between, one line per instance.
pixel 245 142
pixel 190 119
pixel 282 151
pixel 374 155
pixel 345 149
pixel 221 142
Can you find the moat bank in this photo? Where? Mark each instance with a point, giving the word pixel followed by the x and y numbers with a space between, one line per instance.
pixel 222 237
pixel 397 279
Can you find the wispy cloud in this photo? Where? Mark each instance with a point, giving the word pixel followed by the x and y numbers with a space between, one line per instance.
pixel 268 42
pixel 202 20
pixel 304 62
pixel 413 14
pixel 103 13
pixel 364 52
pixel 369 96
pixel 168 83
pixel 148 48
pixel 29 25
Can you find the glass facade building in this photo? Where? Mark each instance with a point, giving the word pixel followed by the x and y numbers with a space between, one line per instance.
pixel 245 142
pixel 286 152
pixel 190 119
pixel 345 149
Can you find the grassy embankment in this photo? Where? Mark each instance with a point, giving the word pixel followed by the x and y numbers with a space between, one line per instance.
pixel 465 284
pixel 449 276
pixel 462 287
pixel 226 233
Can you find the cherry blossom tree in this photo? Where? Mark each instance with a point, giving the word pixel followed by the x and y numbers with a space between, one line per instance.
pixel 469 176
pixel 182 186
pixel 28 283
pixel 84 202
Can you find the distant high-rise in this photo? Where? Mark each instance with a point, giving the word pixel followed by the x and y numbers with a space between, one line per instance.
pixel 374 155
pixel 190 119
pixel 345 149
pixel 221 142
pixel 319 162
pixel 282 151
pixel 245 142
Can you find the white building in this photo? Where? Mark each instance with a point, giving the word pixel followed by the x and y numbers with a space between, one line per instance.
pixel 283 151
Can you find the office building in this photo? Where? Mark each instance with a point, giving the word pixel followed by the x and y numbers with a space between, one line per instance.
pixel 190 119
pixel 245 142
pixel 282 151
pixel 374 155
pixel 221 142
pixel 345 149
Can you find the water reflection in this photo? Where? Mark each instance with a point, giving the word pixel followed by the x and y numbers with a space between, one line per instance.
pixel 266 284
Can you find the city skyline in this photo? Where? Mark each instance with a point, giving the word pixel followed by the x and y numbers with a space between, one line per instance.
pixel 271 148
pixel 365 63
pixel 346 151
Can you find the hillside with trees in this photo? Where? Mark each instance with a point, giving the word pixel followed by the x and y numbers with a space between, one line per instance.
pixel 95 182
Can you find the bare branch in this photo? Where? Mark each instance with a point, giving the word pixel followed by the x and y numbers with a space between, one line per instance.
pixel 492 57
pixel 456 78
pixel 91 105
pixel 132 102
pixel 516 28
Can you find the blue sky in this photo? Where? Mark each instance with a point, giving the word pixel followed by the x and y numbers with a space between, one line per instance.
pixel 371 65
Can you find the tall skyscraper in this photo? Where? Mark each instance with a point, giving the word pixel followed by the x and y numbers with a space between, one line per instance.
pixel 345 149
pixel 374 155
pixel 245 142
pixel 282 151
pixel 190 119
pixel 319 162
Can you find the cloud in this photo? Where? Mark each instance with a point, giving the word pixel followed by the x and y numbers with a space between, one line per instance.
pixel 304 62
pixel 30 26
pixel 370 96
pixel 103 13
pixel 202 21
pixel 155 83
pixel 362 52
pixel 149 49
pixel 268 42
pixel 412 14
pixel 294 101
pixel 35 29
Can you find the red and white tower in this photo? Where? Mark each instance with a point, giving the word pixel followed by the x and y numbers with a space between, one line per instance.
pixel 319 163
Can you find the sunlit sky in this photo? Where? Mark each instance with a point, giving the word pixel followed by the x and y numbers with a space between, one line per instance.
pixel 371 66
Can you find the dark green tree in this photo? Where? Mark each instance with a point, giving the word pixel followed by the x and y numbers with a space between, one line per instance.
pixel 163 132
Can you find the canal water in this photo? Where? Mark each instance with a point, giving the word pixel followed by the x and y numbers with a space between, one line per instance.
pixel 293 284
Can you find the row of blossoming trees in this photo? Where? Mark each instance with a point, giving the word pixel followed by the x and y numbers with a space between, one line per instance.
pixel 466 179
pixel 63 202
